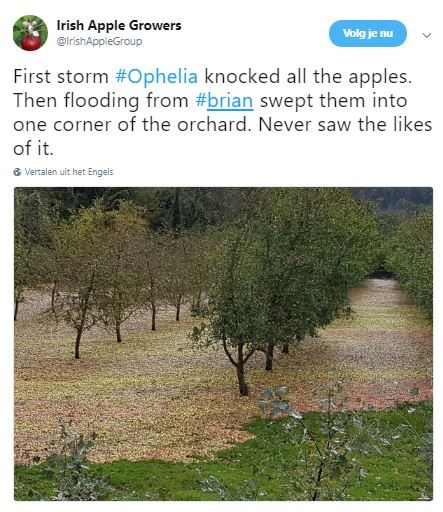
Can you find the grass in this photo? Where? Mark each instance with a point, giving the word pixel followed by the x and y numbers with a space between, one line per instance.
pixel 260 467
pixel 169 417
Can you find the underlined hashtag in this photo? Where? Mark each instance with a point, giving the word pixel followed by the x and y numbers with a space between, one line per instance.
pixel 120 75
pixel 201 99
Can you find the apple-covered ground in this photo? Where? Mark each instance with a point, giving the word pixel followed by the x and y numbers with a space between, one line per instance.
pixel 154 396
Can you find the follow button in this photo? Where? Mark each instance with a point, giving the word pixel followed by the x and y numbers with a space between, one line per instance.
pixel 370 33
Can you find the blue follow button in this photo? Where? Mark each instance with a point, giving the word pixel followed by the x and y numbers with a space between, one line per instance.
pixel 368 33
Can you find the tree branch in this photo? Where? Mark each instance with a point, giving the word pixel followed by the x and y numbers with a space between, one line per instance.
pixel 225 348
pixel 248 355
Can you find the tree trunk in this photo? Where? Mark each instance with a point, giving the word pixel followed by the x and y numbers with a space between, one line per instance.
pixel 177 308
pixel 16 303
pixel 285 348
pixel 53 292
pixel 84 312
pixel 269 357
pixel 240 366
pixel 77 343
pixel 154 311
pixel 242 386
pixel 118 331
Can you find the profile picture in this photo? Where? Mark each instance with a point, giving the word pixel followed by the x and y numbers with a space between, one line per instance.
pixel 30 33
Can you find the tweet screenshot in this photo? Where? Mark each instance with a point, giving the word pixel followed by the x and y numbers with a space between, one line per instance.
pixel 217 265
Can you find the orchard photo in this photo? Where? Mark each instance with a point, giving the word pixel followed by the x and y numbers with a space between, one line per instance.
pixel 232 344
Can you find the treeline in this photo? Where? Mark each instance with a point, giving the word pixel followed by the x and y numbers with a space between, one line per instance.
pixel 168 208
pixel 262 268
pixel 200 206
pixel 401 200
pixel 102 266
pixel 409 256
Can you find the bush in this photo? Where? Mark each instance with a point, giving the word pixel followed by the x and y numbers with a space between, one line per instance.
pixel 67 463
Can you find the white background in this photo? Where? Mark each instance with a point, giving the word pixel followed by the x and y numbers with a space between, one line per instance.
pixel 225 36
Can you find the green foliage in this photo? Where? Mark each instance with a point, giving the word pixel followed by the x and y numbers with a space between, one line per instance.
pixel 284 270
pixel 67 465
pixel 268 460
pixel 422 458
pixel 118 292
pixel 33 237
pixel 330 450
pixel 103 263
pixel 82 260
pixel 191 208
pixel 187 272
pixel 338 454
pixel 111 266
pixel 314 244
pixel 410 257
pixel 167 209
